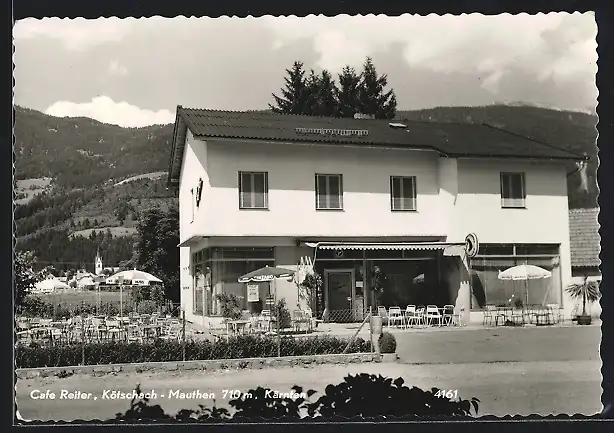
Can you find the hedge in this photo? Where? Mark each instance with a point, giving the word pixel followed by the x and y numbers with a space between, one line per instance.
pixel 97 353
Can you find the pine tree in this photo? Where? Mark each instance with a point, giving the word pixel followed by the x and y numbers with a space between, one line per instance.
pixel 294 97
pixel 312 83
pixel 347 92
pixel 372 98
pixel 326 104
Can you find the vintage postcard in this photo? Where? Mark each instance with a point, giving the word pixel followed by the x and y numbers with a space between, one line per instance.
pixel 306 217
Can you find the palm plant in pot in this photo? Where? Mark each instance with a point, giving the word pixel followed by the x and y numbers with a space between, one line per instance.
pixel 588 291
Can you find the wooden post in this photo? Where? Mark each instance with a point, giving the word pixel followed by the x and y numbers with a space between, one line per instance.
pixel 82 335
pixel 376 325
pixel 278 319
pixel 359 329
pixel 183 332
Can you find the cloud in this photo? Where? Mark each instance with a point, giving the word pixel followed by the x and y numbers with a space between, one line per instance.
pixel 75 34
pixel 105 110
pixel 557 45
pixel 116 68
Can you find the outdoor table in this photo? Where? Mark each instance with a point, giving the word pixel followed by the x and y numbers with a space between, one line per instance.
pixel 505 313
pixel 236 325
pixel 152 330
pixel 41 332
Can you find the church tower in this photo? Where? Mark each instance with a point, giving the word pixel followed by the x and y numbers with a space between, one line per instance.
pixel 98 263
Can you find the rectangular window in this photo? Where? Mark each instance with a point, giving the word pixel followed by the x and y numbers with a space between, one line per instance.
pixel 403 193
pixel 513 193
pixel 253 190
pixel 329 191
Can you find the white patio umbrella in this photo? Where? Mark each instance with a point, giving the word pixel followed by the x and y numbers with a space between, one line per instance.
pixel 269 274
pixel 132 277
pixel 524 273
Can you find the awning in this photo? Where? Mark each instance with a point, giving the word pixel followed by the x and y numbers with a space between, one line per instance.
pixel 411 246
pixel 191 241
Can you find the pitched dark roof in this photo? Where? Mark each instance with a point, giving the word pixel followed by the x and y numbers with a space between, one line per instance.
pixel 584 237
pixel 449 139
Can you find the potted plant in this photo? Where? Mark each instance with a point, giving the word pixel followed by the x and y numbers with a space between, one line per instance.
pixel 588 291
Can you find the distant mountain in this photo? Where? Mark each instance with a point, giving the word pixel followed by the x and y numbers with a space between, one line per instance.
pixel 81 152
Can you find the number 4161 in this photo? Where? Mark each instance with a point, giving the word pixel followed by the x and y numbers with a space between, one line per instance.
pixel 449 394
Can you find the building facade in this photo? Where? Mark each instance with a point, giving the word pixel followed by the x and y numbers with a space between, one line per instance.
pixel 381 209
pixel 585 247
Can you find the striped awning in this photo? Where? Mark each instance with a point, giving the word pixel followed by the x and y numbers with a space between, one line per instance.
pixel 415 246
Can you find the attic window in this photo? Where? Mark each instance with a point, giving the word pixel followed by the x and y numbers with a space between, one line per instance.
pixel 397 125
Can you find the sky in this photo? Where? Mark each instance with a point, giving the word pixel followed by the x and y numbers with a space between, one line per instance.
pixel 134 72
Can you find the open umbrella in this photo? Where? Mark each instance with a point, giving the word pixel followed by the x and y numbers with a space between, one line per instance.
pixel 268 274
pixel 524 273
pixel 132 278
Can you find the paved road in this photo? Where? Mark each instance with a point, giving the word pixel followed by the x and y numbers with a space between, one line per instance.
pixel 503 344
pixel 553 371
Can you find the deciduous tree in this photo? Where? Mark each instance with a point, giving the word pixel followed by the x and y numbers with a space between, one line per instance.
pixel 155 249
pixel 24 276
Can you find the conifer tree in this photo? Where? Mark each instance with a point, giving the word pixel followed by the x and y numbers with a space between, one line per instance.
pixel 326 104
pixel 294 97
pixel 372 97
pixel 347 92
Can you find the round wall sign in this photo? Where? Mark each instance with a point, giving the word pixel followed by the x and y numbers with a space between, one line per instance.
pixel 472 245
pixel 338 253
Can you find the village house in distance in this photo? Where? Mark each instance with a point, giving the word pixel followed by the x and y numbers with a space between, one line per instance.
pixel 363 198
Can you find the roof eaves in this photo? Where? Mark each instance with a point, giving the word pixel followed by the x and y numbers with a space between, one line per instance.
pixel 322 142
pixel 170 179
pixel 508 156
pixel 573 155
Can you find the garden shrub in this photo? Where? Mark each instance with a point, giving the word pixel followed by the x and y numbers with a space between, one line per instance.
pixel 147 307
pixel 363 395
pixel 241 346
pixel 229 305
pixel 281 311
pixel 387 343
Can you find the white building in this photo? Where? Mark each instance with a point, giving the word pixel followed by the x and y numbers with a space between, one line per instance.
pixel 260 189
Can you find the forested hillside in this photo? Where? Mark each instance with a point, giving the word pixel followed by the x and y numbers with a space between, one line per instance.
pixel 81 152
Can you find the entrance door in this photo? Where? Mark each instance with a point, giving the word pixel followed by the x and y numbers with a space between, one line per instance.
pixel 339 289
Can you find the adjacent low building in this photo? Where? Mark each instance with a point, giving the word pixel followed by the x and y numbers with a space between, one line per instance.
pixel 585 245
pixel 371 204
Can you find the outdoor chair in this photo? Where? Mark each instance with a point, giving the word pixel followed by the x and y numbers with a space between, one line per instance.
pixel 556 313
pixel 457 318
pixel 134 334
pixel 381 311
pixel 448 315
pixel 432 314
pixel 298 318
pixel 395 315
pixel 490 315
pixel 412 316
